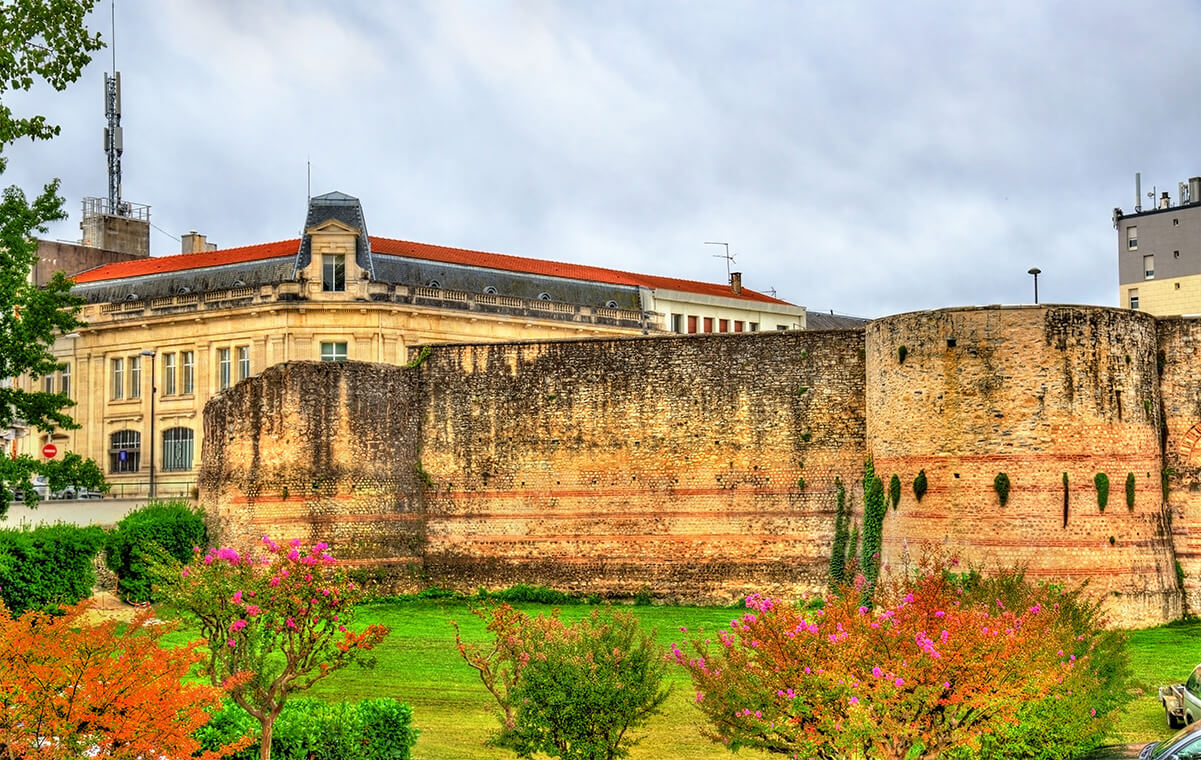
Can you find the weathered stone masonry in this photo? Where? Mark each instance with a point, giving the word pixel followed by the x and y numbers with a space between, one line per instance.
pixel 703 467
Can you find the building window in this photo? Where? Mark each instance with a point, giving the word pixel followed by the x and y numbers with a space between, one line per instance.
pixel 708 324
pixel 135 377
pixel 1175 254
pixel 118 379
pixel 1132 295
pixel 677 323
pixel 333 352
pixel 48 383
pixel 434 284
pixel 544 296
pixel 490 290
pixel 738 325
pixel 124 451
pixel 611 305
pixel 177 449
pixel 168 374
pixel 243 362
pixel 1175 222
pixel 1148 267
pixel 333 272
pixel 188 361
pixel 781 327
pixel 64 380
pixel 691 324
pixel 723 325
pixel 1132 238
pixel 754 326
pixel 223 368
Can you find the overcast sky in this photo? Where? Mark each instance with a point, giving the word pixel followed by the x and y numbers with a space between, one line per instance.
pixel 866 157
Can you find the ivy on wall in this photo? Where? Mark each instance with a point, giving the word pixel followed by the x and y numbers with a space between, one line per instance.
pixel 894 490
pixel 919 485
pixel 842 521
pixel 1101 480
pixel 1000 484
pixel 1130 491
pixel 874 510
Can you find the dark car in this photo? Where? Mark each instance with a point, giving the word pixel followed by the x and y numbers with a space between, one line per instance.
pixel 1185 744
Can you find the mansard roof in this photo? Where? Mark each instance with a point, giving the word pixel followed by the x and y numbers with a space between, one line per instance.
pixel 347 213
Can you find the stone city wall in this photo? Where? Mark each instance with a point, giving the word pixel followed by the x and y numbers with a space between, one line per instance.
pixel 704 467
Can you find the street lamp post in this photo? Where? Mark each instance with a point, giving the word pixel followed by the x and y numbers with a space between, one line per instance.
pixel 153 393
pixel 1036 272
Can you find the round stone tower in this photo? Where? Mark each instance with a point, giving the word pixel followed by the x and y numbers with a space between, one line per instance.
pixel 1051 399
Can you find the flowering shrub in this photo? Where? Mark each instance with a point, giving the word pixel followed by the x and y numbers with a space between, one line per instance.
pixel 70 689
pixel 939 668
pixel 571 690
pixel 284 618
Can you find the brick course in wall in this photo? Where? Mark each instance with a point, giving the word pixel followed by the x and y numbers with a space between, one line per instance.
pixel 703 467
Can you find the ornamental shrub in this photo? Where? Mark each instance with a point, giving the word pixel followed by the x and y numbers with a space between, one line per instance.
pixel 48 565
pixel 284 618
pixel 571 690
pixel 147 536
pixel 894 490
pixel 944 666
pixel 1101 480
pixel 312 729
pixel 1130 491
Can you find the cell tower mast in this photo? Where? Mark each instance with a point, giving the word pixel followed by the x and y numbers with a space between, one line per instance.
pixel 113 142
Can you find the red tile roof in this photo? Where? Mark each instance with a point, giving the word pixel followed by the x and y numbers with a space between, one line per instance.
pixel 504 262
pixel 185 261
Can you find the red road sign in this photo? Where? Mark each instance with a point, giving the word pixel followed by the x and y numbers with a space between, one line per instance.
pixel 49 450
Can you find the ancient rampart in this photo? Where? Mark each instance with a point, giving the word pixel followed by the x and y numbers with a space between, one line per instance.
pixel 703 467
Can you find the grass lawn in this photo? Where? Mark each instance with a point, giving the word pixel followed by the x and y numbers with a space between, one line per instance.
pixel 419 664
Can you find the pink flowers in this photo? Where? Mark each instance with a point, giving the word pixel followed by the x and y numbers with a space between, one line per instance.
pixel 237 625
pixel 875 671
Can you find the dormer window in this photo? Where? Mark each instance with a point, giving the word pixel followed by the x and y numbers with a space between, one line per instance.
pixel 333 272
pixel 544 296
pixel 490 290
pixel 611 305
pixel 434 284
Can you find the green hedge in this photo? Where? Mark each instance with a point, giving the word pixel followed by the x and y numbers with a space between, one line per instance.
pixel 142 536
pixel 374 729
pixel 48 565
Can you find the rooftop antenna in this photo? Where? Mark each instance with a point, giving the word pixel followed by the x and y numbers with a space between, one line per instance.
pixel 308 177
pixel 729 257
pixel 113 138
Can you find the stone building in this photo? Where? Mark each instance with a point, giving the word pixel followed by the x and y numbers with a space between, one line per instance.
pixel 165 334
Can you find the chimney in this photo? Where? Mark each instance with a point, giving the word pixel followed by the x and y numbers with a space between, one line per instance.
pixel 194 242
pixel 1165 200
pixel 735 282
pixel 1194 190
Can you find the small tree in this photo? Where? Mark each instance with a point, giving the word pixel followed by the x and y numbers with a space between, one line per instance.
pixel 894 490
pixel 285 619
pixel 72 689
pixel 1130 491
pixel 569 690
pixel 1001 484
pixel 920 485
pixel 1101 481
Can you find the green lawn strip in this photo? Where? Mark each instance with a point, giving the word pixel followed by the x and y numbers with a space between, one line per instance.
pixel 419 664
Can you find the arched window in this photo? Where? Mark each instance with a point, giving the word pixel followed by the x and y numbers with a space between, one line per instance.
pixel 611 305
pixel 490 290
pixel 434 284
pixel 124 451
pixel 544 296
pixel 177 449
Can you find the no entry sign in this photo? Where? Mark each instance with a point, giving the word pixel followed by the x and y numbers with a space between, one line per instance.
pixel 49 450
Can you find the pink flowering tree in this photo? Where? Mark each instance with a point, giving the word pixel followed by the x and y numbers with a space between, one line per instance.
pixel 284 617
pixel 938 668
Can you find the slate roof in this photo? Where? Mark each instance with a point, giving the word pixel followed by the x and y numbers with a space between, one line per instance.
pixel 186 262
pixel 820 320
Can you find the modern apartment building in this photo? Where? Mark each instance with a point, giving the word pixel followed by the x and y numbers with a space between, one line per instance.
pixel 165 334
pixel 1159 252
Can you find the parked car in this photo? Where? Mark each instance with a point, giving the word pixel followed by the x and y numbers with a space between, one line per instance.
pixel 1184 744
pixel 1182 702
pixel 76 492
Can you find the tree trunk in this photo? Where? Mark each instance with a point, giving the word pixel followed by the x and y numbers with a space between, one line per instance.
pixel 268 724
